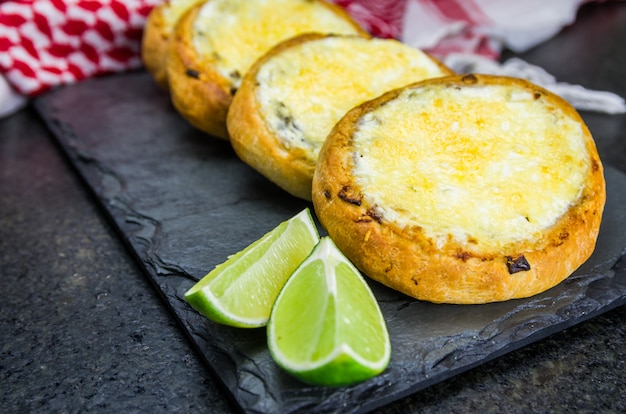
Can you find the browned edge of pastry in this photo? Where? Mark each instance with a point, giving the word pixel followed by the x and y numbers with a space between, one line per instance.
pixel 252 139
pixel 408 261
pixel 154 46
pixel 199 93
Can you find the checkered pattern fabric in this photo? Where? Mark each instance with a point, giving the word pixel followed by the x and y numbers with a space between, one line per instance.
pixel 44 43
pixel 49 42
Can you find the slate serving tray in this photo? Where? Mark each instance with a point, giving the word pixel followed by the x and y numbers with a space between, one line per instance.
pixel 183 202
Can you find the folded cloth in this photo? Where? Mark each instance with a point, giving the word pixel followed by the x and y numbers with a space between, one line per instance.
pixel 10 101
pixel 480 27
pixel 468 35
pixel 45 43
pixel 578 96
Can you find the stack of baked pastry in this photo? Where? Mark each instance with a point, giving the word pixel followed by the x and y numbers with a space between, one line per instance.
pixel 449 188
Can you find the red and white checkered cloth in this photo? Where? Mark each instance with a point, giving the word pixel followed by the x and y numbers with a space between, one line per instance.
pixel 44 43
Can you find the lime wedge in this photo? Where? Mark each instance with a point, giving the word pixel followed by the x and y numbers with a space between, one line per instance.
pixel 241 291
pixel 326 327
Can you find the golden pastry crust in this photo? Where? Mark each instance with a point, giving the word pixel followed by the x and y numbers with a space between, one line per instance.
pixel 292 96
pixel 201 90
pixel 200 94
pixel 156 35
pixel 154 45
pixel 394 249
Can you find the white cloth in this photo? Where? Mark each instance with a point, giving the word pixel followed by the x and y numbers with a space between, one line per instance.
pixel 484 26
pixel 10 101
pixel 578 96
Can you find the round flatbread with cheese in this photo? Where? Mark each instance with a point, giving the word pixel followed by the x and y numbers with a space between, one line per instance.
pixel 217 41
pixel 156 36
pixel 291 98
pixel 464 189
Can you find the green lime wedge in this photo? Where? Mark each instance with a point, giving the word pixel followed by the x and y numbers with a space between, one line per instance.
pixel 326 327
pixel 241 291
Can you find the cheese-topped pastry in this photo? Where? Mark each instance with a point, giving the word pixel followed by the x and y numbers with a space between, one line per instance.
pixel 215 44
pixel 292 97
pixel 465 189
pixel 157 31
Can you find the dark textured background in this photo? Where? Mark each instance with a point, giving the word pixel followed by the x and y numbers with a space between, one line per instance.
pixel 82 329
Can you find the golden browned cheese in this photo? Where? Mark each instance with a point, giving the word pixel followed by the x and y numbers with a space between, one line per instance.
pixel 464 189
pixel 157 31
pixel 292 97
pixel 215 44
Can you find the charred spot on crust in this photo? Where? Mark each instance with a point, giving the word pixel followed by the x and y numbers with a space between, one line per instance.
pixel 469 79
pixel 517 264
pixel 595 165
pixel 537 95
pixel 464 256
pixel 192 73
pixel 375 215
pixel 233 91
pixel 347 195
pixel 327 194
pixel 561 239
pixel 370 215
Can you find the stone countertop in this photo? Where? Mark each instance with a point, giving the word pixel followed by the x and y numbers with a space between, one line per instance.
pixel 82 329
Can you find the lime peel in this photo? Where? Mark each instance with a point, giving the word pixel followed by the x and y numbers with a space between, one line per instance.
pixel 240 292
pixel 335 340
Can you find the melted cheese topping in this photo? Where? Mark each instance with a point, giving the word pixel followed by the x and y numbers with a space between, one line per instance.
pixel 174 10
pixel 305 90
pixel 488 163
pixel 234 33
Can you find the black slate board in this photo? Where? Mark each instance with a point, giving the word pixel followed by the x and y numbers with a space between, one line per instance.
pixel 183 202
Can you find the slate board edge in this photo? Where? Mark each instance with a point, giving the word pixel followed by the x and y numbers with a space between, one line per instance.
pixel 90 180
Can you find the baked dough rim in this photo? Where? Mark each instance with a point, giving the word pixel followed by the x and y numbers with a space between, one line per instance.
pixel 408 261
pixel 154 46
pixel 257 145
pixel 199 92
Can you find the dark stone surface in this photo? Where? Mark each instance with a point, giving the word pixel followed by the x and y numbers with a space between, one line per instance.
pixel 83 330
